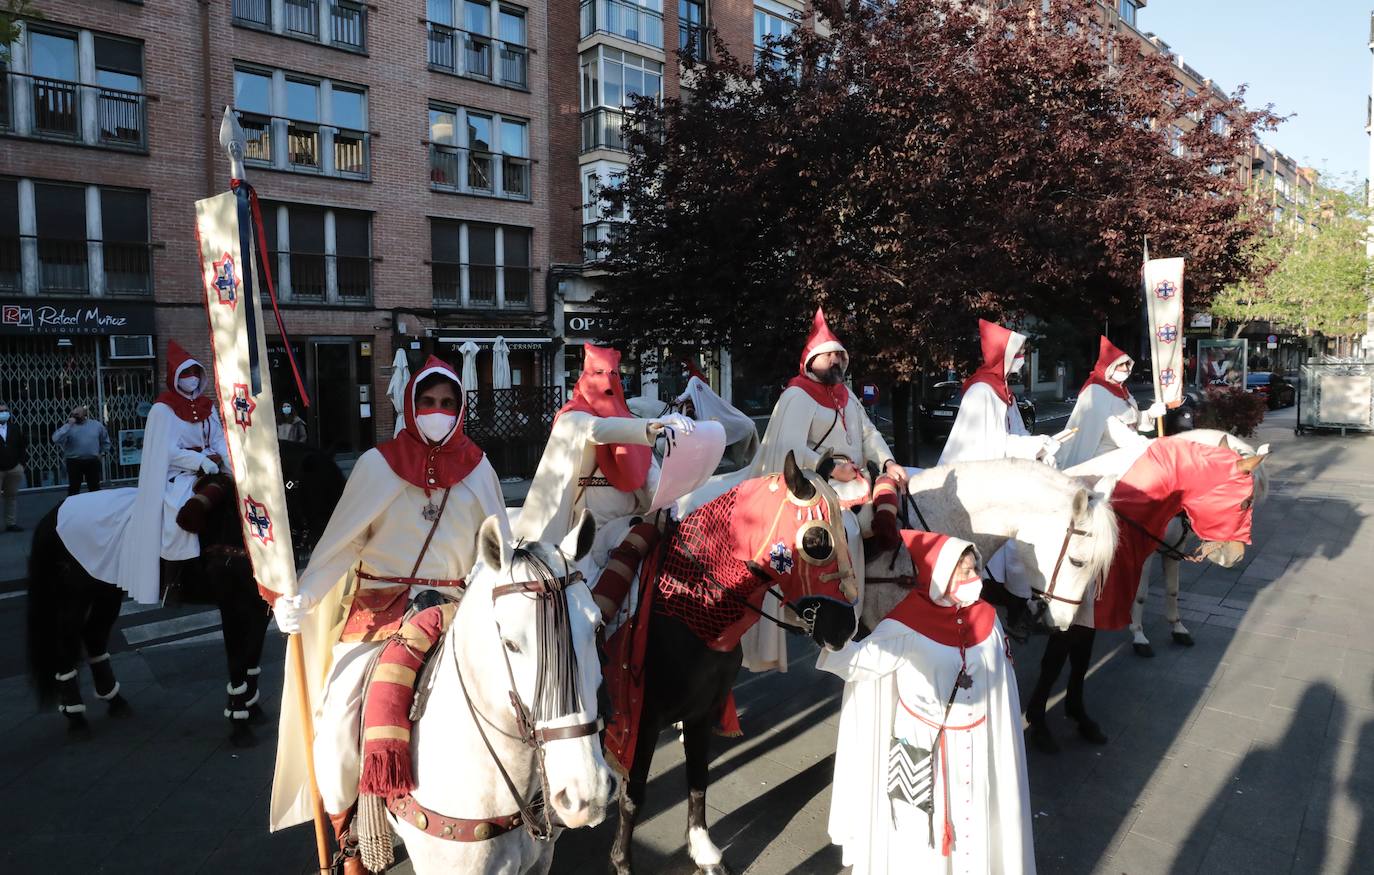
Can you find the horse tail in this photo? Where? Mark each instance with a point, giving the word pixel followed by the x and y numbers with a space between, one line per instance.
pixel 45 594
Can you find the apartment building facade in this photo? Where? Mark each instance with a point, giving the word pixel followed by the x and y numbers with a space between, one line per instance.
pixel 401 154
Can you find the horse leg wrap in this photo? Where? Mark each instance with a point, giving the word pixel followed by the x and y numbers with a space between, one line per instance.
pixel 253 674
pixel 69 693
pixel 237 708
pixel 102 672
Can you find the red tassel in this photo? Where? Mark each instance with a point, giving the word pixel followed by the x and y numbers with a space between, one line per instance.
pixel 948 843
pixel 728 723
pixel 386 769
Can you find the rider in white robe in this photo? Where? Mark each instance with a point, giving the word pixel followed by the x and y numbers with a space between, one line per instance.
pixel 118 535
pixel 900 690
pixel 1105 416
pixel 407 522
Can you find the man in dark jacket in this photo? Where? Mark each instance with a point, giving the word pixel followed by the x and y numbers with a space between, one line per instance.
pixel 14 451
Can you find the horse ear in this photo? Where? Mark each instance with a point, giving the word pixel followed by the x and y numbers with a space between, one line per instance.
pixel 578 542
pixel 1105 486
pixel 1248 464
pixel 1225 444
pixel 1263 450
pixel 797 484
pixel 1081 499
pixel 825 465
pixel 492 545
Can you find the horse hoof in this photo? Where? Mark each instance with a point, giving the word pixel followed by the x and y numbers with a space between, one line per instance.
pixel 77 725
pixel 1042 739
pixel 1183 638
pixel 1144 650
pixel 256 715
pixel 1090 732
pixel 119 707
pixel 242 735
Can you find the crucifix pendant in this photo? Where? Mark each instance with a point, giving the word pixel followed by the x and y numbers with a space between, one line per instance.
pixel 963 681
pixel 431 512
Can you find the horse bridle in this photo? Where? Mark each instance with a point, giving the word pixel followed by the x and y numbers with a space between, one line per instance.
pixel 1047 595
pixel 557 656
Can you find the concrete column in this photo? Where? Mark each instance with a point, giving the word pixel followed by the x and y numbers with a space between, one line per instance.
pixel 727 377
pixel 331 267
pixel 326 115
pixel 463 288
pixel 28 244
pixel 89 96
pixel 283 264
pixel 500 271
pixel 95 251
pixel 278 15
pixel 326 30
pixel 21 88
pixel 279 126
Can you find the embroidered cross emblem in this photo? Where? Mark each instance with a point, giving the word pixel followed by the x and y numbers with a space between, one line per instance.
pixel 1165 289
pixel 259 521
pixel 226 281
pixel 1167 377
pixel 1167 333
pixel 243 405
pixel 780 558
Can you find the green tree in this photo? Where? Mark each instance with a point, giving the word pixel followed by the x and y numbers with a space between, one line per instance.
pixel 1313 278
pixel 12 15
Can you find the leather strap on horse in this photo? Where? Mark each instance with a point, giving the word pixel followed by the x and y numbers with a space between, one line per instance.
pixel 1165 548
pixel 454 829
pixel 1048 593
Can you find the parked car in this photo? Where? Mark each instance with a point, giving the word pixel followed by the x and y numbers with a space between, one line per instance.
pixel 936 415
pixel 1276 389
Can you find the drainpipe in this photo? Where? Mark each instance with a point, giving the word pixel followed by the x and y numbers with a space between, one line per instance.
pixel 206 98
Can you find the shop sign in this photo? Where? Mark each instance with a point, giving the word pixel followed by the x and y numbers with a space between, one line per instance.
pixel 29 318
pixel 588 325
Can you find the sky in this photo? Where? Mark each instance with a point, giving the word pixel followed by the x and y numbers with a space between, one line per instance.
pixel 1310 60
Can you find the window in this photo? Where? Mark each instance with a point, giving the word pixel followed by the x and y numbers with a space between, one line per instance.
pixel 475 152
pixel 639 22
pixel 692 39
pixel 11 262
pixel 60 222
pixel 59 80
pixel 344 25
pixel 322 123
pixel 1128 10
pixel 476 266
pixel 126 250
pixel 461 41
pixel 599 222
pixel 86 240
pixel 611 80
pixel 770 25
pixel 320 255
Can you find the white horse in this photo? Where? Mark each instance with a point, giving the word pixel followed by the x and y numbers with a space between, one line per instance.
pixel 525 629
pixel 1178 537
pixel 1063 534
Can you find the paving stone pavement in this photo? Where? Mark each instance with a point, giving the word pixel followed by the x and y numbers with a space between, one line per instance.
pixel 1251 752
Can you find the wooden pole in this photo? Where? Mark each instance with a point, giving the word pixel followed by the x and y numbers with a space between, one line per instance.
pixel 297 656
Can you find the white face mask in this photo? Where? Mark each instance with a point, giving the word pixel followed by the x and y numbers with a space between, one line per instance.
pixel 189 385
pixel 965 592
pixel 1119 376
pixel 1017 363
pixel 436 426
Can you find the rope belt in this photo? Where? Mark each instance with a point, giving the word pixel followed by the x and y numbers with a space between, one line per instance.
pixel 435 582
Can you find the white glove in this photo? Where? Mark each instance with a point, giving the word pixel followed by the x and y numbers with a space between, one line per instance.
pixel 208 466
pixel 1156 410
pixel 290 610
pixel 1049 449
pixel 675 421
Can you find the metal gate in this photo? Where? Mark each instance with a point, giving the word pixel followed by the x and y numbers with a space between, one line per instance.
pixel 42 381
pixel 512 425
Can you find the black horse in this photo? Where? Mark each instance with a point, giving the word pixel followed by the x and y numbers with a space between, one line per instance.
pixel 71 614
pixel 687 681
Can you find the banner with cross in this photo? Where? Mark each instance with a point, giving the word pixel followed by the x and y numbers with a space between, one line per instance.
pixel 1164 310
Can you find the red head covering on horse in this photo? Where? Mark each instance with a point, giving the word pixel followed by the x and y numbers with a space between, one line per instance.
pixel 940 607
pixel 820 340
pixel 598 392
pixel 1108 357
pixel 419 461
pixel 1000 346
pixel 194 407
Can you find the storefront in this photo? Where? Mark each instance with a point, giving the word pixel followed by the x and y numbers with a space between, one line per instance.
pixel 55 355
pixel 337 372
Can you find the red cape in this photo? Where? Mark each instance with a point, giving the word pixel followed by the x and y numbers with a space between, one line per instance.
pixel 418 462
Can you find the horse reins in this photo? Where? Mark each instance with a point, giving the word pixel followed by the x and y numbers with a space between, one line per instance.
pixel 553 626
pixel 1172 551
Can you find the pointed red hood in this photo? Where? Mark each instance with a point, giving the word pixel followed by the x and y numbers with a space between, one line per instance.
pixel 930 608
pixel 413 458
pixel 999 346
pixel 1108 357
pixel 599 392
pixel 693 371
pixel 821 339
pixel 194 407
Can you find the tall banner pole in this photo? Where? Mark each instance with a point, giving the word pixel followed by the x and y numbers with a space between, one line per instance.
pixel 1162 289
pixel 233 264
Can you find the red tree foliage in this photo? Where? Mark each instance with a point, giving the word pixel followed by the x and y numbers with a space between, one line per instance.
pixel 925 164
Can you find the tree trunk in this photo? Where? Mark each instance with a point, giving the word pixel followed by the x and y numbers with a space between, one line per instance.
pixel 901 424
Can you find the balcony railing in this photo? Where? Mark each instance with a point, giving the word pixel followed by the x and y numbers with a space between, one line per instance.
pixel 471 171
pixel 306 146
pixel 693 41
pixel 303 18
pixel 120 116
pixel 303 145
pixel 305 279
pixel 253 11
pixel 348 24
pixel 4 99
pixel 603 128
pixel 350 152
pixel 257 133
pixel 353 274
pixel 626 20
pixel 56 108
pixel 481 281
pixel 470 54
pixel 597 236
pixel 64 265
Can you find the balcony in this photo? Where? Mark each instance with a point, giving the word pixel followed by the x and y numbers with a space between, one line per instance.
pixel 603 128
pixel 629 21
pixel 488 286
pixel 461 53
pixel 303 18
pixel 693 41
pixel 346 21
pixel 597 238
pixel 64 265
pixel 120 115
pixel 56 108
pixel 257 12
pixel 348 25
pixel 310 147
pixel 128 268
pixel 470 171
pixel 56 112
pixel 305 277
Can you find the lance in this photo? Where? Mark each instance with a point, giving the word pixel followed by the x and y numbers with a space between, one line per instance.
pixel 253 248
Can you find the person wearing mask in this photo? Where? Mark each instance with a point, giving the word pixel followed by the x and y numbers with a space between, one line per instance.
pixel 290 426
pixel 14 450
pixel 83 441
pixel 1106 416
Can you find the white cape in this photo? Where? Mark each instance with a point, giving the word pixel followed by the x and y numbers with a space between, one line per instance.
pixel 987 428
pixel 371 490
pixel 1104 421
pixel 989 792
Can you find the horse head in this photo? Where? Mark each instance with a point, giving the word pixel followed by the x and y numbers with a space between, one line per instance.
pixel 794 530
pixel 1219 499
pixel 1066 548
pixel 527 619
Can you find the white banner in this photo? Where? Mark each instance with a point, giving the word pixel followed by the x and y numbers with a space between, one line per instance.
pixel 1164 306
pixel 250 428
pixel 688 462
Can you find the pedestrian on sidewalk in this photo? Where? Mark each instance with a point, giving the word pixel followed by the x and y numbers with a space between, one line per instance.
pixel 290 426
pixel 14 451
pixel 83 441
